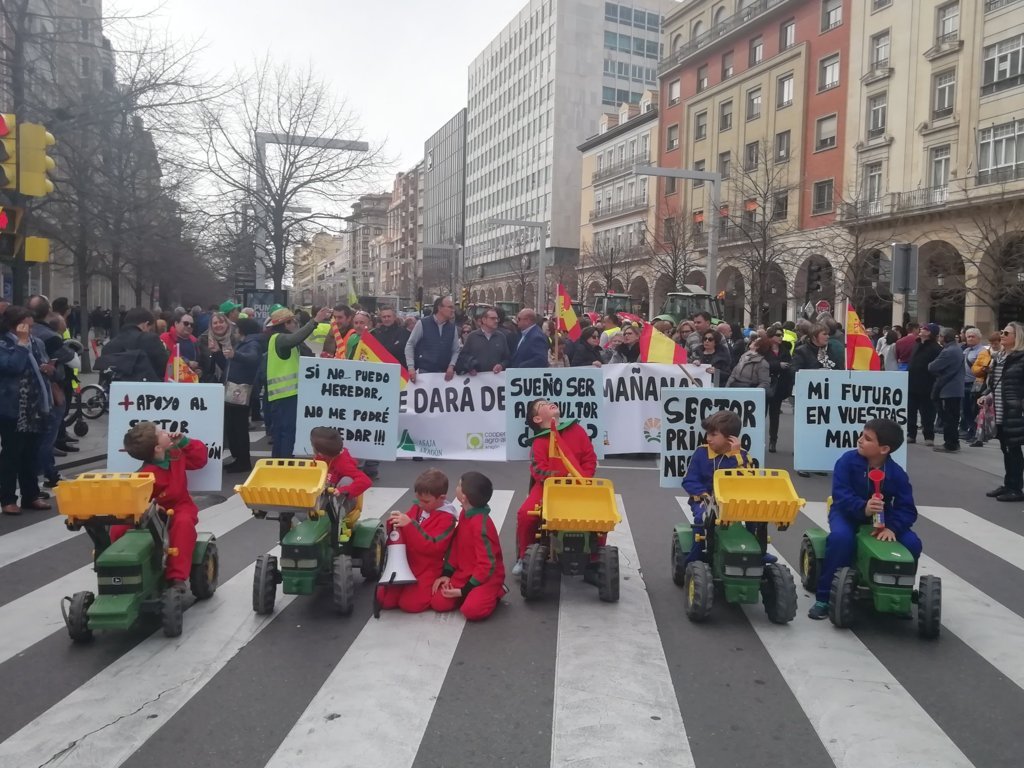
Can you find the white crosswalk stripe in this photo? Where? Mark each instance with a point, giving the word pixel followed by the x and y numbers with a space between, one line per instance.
pixel 25 542
pixel 1004 544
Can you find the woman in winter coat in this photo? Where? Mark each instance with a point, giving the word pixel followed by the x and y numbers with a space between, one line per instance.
pixel 715 355
pixel 753 370
pixel 240 366
pixel 887 350
pixel 980 370
pixel 816 352
pixel 920 382
pixel 781 387
pixel 219 337
pixel 626 345
pixel 948 370
pixel 1005 384
pixel 588 349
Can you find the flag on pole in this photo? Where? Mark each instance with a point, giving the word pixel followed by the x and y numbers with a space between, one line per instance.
pixel 567 320
pixel 352 298
pixel 656 347
pixel 860 352
pixel 369 349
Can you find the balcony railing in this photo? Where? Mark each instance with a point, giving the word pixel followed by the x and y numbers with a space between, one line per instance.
pixel 995 5
pixel 948 37
pixel 619 209
pixel 920 198
pixel 1001 175
pixel 621 167
pixel 724 28
pixel 730 233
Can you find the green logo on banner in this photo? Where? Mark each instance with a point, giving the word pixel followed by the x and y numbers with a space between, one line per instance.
pixel 406 443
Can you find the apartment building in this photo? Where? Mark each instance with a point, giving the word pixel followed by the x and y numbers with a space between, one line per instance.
pixel 368 221
pixel 396 265
pixel 444 207
pixel 319 270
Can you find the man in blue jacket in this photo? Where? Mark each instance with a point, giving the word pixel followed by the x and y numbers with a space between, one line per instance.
pixel 532 349
pixel 854 504
pixel 948 370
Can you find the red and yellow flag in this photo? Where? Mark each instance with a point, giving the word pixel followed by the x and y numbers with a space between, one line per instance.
pixel 370 350
pixel 567 320
pixel 860 352
pixel 656 347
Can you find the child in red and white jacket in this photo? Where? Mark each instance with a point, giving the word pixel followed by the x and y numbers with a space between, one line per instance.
pixel 474 573
pixel 329 447
pixel 168 457
pixel 427 530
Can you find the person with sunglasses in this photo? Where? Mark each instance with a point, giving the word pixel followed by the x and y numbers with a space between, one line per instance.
pixel 180 343
pixel 715 355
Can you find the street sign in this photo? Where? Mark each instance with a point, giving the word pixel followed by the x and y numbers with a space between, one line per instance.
pixel 823 306
pixel 904 268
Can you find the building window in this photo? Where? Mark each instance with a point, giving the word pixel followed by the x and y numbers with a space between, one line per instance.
pixel 670 185
pixel 947 28
pixel 785 91
pixel 831 14
pixel 782 147
pixel 753 103
pixel 1002 67
pixel 86 66
pixel 873 183
pixel 787 34
pixel 940 166
pixel 1001 152
pixel 84 30
pixel 877 5
pixel 698 222
pixel 944 88
pixel 724 163
pixel 822 197
pixel 727 65
pixel 673 92
pixel 751 153
pixel 877 108
pixel 756 50
pixel 780 206
pixel 702 78
pixel 880 50
pixel 825 132
pixel 699 165
pixel 725 116
pixel 828 72
pixel 700 126
pixel 673 136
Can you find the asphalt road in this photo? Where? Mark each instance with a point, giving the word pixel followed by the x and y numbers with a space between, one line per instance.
pixel 564 681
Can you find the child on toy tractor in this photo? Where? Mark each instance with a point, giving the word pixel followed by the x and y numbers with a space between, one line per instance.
pixel 855 502
pixel 343 474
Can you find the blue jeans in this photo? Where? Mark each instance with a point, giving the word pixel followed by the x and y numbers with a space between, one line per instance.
pixel 46 465
pixel 282 426
pixel 841 548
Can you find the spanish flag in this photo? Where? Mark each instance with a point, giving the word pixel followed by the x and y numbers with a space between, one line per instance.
pixel 656 347
pixel 370 350
pixel 567 320
pixel 860 352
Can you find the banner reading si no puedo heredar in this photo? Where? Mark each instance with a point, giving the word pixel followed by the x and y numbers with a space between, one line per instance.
pixel 465 418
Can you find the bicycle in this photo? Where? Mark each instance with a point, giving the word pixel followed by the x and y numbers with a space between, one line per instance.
pixel 88 402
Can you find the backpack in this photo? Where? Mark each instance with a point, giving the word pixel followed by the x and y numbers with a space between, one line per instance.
pixel 745 373
pixel 129 365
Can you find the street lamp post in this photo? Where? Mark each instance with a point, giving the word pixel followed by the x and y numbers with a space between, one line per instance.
pixel 715 205
pixel 542 228
pixel 457 268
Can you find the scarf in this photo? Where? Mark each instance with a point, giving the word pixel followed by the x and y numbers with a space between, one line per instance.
pixel 33 401
pixel 224 339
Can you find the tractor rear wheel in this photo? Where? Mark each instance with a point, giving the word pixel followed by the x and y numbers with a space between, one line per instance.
pixel 78 617
pixel 264 585
pixel 608 574
pixel 678 563
pixel 371 564
pixel 929 607
pixel 700 590
pixel 172 611
pixel 778 593
pixel 810 565
pixel 840 601
pixel 205 574
pixel 344 585
pixel 531 580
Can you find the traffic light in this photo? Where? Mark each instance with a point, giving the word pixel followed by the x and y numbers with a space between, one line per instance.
pixel 36 164
pixel 10 226
pixel 814 275
pixel 464 298
pixel 8 153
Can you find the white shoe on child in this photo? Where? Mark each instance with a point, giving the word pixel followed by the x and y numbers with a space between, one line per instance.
pixel 517 568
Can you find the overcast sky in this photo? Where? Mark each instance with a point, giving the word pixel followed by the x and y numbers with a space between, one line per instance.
pixel 399 64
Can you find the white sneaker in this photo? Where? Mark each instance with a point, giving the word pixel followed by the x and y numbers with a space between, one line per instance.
pixel 517 568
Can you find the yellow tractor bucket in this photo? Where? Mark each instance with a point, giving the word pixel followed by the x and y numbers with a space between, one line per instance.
pixel 290 484
pixel 756 496
pixel 579 504
pixel 124 495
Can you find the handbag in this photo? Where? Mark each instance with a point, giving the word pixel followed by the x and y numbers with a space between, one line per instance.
pixel 236 394
pixel 985 422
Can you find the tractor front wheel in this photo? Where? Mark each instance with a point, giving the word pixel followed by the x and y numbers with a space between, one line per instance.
pixel 371 564
pixel 205 574
pixel 778 593
pixel 700 590
pixel 78 617
pixel 929 607
pixel 531 580
pixel 810 566
pixel 840 602
pixel 264 585
pixel 678 563
pixel 344 585
pixel 608 574
pixel 172 611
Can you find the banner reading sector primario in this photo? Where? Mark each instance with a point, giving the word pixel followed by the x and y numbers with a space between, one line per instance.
pixel 683 410
pixel 577 392
pixel 194 410
pixel 831 408
pixel 358 398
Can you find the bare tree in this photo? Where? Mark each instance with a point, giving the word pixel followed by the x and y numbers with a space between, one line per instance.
pixel 605 260
pixel 672 249
pixel 273 143
pixel 523 270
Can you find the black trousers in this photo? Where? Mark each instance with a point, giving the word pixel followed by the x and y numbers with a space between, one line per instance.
pixel 1013 463
pixel 236 432
pixel 774 411
pixel 18 463
pixel 924 405
pixel 951 407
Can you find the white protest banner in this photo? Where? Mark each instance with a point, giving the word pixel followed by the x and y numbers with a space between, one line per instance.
pixel 359 399
pixel 632 392
pixel 577 392
pixel 831 408
pixel 194 410
pixel 683 411
pixel 459 419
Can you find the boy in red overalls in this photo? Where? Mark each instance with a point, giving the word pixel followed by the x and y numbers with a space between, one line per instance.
pixel 329 447
pixel 427 530
pixel 573 446
pixel 168 457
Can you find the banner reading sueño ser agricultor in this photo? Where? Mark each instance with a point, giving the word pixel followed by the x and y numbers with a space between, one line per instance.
pixel 578 393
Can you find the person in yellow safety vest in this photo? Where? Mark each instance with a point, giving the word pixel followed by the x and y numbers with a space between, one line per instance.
pixel 283 352
pixel 321 333
pixel 341 331
pixel 789 335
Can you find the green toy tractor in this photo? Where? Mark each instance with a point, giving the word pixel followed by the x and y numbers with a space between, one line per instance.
pixel 130 571
pixel 320 550
pixel 727 556
pixel 882 576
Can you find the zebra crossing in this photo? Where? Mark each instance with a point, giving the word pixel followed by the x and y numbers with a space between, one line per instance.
pixel 564 681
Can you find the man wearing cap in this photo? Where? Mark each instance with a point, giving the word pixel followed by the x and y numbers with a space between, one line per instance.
pixel 434 345
pixel 231 310
pixel 919 385
pixel 282 382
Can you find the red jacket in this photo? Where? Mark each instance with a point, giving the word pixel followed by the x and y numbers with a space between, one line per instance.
pixel 341 466
pixel 170 490
pixel 427 539
pixel 474 558
pixel 573 439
